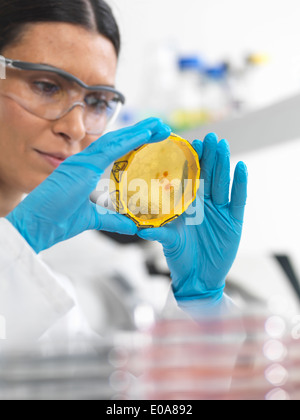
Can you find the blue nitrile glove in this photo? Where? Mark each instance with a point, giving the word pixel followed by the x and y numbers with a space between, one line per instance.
pixel 60 208
pixel 200 256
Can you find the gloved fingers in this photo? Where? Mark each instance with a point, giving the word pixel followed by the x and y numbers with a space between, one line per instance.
pixel 110 221
pixel 198 146
pixel 152 124
pixel 114 145
pixel 81 173
pixel 221 176
pixel 167 237
pixel 148 124
pixel 239 192
pixel 89 167
pixel 160 130
pixel 207 163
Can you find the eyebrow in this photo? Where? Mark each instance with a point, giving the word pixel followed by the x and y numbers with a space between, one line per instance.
pixel 60 70
pixel 68 73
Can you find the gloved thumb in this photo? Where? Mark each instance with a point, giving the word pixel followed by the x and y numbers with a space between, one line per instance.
pixel 167 237
pixel 110 221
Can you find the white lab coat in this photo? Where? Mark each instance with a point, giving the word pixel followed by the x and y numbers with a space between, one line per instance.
pixel 36 303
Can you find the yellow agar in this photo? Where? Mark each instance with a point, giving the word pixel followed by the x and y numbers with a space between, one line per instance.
pixel 156 183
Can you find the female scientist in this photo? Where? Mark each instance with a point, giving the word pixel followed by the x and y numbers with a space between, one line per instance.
pixel 58 94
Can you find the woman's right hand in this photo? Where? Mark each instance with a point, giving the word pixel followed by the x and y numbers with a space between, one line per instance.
pixel 60 208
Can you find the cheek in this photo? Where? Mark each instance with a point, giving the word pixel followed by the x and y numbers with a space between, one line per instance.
pixel 17 125
pixel 12 125
pixel 18 129
pixel 88 141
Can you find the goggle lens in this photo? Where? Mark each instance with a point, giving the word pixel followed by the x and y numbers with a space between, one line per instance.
pixel 51 96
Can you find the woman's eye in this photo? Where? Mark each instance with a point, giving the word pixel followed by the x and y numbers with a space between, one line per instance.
pixel 98 105
pixel 46 87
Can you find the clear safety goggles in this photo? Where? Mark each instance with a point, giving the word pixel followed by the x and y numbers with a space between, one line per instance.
pixel 51 93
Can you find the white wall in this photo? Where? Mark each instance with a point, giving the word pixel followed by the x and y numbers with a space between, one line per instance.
pixel 221 29
pixel 217 28
pixel 229 28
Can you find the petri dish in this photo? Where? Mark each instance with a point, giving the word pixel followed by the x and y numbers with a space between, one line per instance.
pixel 156 183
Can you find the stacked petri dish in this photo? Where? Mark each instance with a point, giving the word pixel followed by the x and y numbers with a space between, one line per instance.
pixel 251 357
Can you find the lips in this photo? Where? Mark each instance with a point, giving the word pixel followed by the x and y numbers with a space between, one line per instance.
pixel 54 159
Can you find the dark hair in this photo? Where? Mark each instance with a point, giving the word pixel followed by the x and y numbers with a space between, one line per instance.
pixel 94 15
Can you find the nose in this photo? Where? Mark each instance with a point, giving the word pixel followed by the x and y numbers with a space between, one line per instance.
pixel 71 126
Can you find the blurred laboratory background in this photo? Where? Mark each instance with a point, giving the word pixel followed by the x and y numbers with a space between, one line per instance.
pixel 230 67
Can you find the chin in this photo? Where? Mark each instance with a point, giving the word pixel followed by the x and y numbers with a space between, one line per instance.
pixel 34 183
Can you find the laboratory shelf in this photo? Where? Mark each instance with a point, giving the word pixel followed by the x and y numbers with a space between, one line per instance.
pixel 258 129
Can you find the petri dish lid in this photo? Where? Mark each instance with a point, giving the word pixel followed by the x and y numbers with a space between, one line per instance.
pixel 156 183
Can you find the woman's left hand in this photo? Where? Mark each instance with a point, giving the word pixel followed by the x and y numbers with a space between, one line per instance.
pixel 201 250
